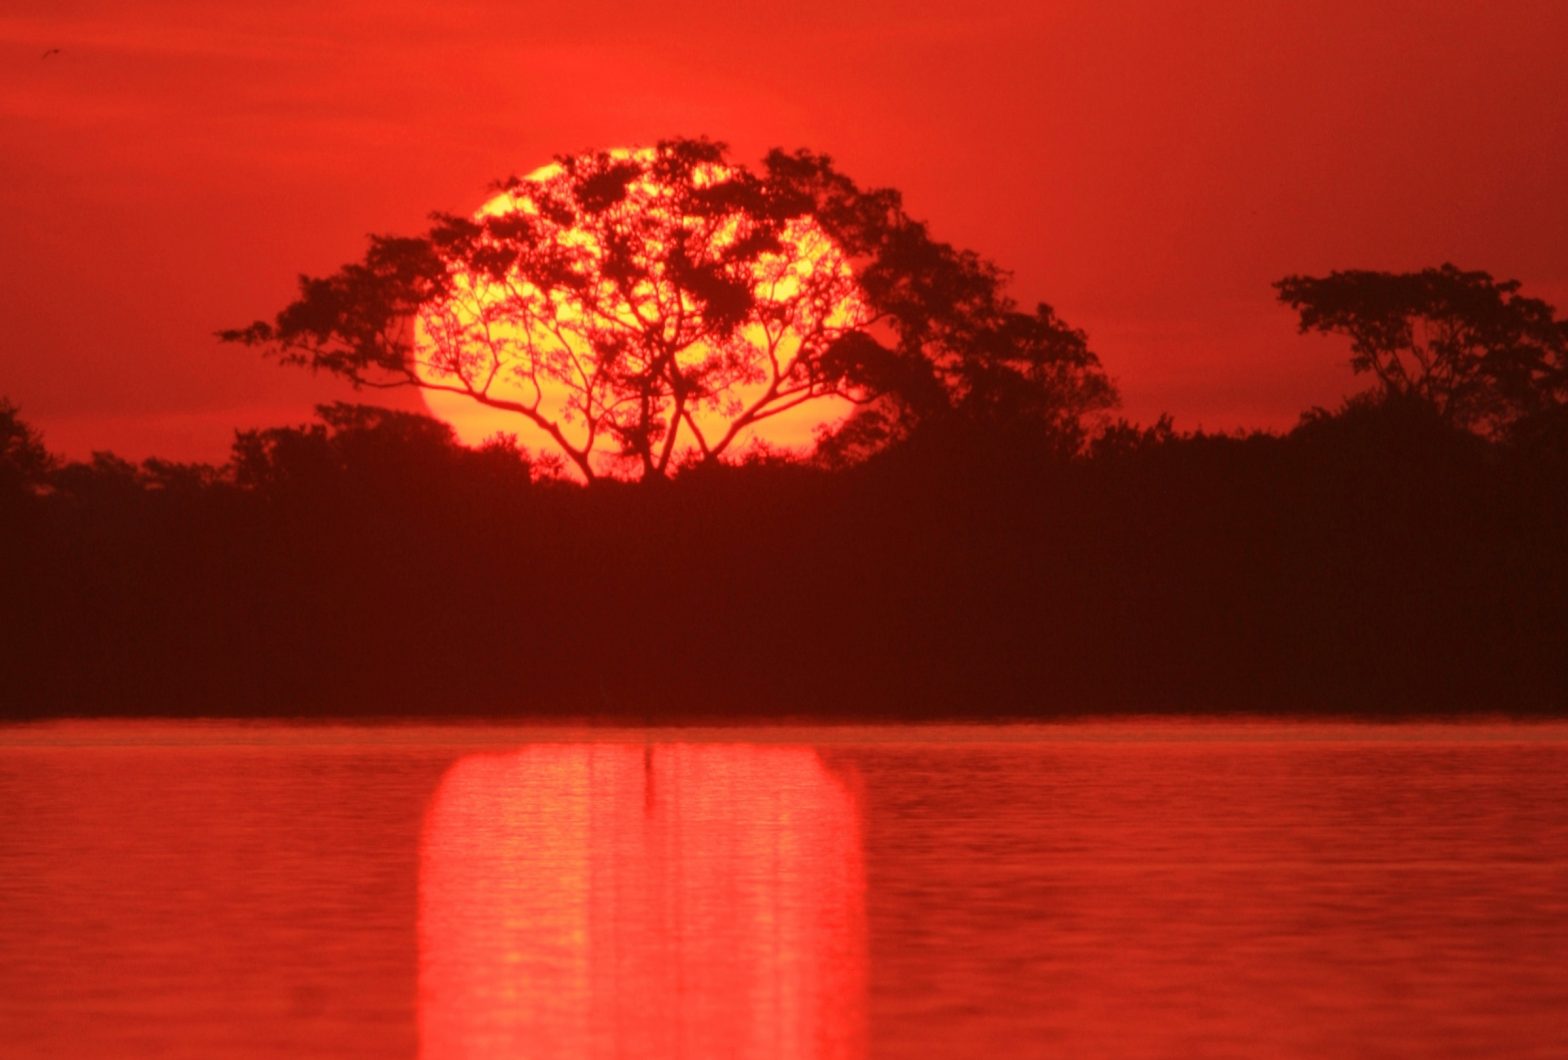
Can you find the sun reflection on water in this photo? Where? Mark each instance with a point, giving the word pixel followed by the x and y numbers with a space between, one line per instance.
pixel 669 900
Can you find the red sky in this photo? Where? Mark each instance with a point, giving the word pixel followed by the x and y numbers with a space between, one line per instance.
pixel 1147 168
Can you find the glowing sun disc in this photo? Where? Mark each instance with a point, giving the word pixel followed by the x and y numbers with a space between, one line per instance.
pixel 808 251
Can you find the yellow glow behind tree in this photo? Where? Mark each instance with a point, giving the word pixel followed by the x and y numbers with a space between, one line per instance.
pixel 640 309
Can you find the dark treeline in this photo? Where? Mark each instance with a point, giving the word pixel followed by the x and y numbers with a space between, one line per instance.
pixel 1378 561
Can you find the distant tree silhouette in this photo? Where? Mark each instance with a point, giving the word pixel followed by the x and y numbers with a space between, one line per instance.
pixel 1480 355
pixel 1380 422
pixel 1124 439
pixel 24 462
pixel 365 448
pixel 660 289
pixel 1377 560
pixel 176 477
pixel 104 479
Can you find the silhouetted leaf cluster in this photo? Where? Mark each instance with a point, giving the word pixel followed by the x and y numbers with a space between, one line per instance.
pixel 24 462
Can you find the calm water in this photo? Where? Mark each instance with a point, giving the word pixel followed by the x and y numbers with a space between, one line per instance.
pixel 1129 889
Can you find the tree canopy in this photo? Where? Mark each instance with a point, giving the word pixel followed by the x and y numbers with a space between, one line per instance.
pixel 1473 350
pixel 363 448
pixel 24 462
pixel 644 307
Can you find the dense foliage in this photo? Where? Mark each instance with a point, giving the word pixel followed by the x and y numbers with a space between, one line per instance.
pixel 1472 349
pixel 622 300
pixel 964 549
pixel 1376 562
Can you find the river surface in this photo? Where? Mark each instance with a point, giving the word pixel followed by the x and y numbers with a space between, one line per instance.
pixel 1139 889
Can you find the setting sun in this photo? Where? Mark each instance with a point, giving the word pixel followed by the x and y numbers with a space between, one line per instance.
pixel 821 532
pixel 636 270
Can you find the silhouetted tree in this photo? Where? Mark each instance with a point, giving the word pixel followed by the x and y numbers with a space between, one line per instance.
pixel 1375 560
pixel 1480 355
pixel 104 479
pixel 634 296
pixel 1124 439
pixel 24 462
pixel 178 477
pixel 1384 423
pixel 944 346
pixel 367 448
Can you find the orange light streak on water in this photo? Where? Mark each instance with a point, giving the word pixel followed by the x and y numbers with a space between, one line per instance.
pixel 675 900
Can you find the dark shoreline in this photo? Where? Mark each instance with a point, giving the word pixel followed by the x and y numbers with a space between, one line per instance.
pixel 1331 574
